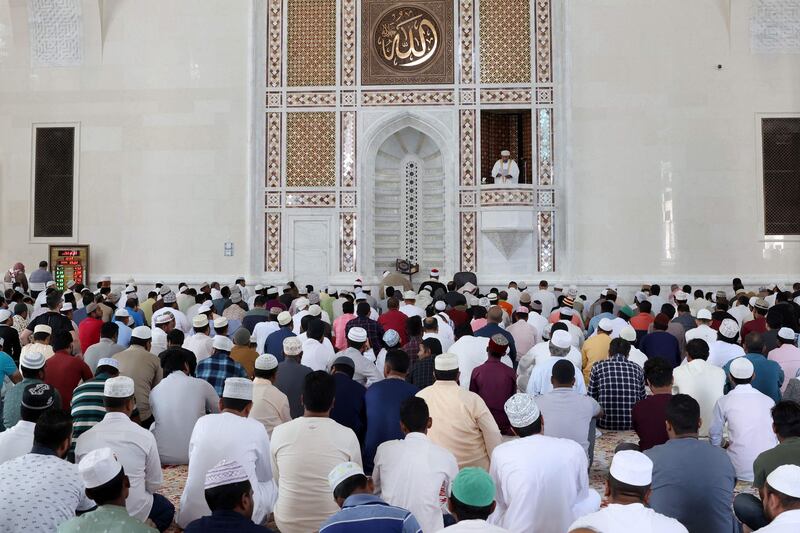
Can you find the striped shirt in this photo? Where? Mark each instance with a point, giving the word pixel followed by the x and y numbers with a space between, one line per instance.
pixel 87 406
pixel 367 513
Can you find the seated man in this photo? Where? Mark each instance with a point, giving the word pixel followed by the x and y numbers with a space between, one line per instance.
pixel 270 405
pixel 542 482
pixel 617 384
pixel 136 449
pixel 106 484
pixel 17 441
pixel 349 407
pixel 628 491
pixel 230 497
pixel 649 415
pixel 472 501
pixel 361 509
pixel 782 503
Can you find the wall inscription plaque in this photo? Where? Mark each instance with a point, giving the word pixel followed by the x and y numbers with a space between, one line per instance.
pixel 406 43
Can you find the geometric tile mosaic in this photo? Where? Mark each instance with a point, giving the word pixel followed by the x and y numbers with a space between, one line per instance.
pixel 311 199
pixel 311 149
pixel 505 41
pixel 347 242
pixel 506 197
pixel 544 42
pixel 311 43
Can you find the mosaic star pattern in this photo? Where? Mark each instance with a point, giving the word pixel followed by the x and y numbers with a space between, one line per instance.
pixel 306 167
pixel 505 41
pixel 311 43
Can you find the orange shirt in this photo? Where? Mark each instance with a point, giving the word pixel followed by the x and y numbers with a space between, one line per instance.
pixel 507 307
pixel 642 321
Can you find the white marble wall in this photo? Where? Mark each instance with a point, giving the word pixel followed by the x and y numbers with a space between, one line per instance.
pixel 163 112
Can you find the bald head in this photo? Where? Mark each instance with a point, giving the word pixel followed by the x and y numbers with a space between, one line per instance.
pixel 495 315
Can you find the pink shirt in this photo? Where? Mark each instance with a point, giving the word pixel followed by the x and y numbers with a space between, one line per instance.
pixel 339 334
pixel 788 357
pixel 477 324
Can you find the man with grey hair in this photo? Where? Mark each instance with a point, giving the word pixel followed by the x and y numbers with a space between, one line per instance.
pixel 540 379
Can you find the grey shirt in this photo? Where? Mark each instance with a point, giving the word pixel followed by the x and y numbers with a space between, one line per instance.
pixel 100 350
pixel 568 414
pixel 693 482
pixel 290 381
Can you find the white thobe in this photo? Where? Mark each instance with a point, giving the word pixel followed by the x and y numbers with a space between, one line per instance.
pixel 316 354
pixel 158 341
pixel 747 414
pixel 741 313
pixel 178 402
pixel 439 337
pixel 721 352
pixel 412 310
pixel 503 169
pixel 262 330
pixel 232 437
pixel 366 372
pixel 547 298
pixel 415 474
pixel 16 441
pixel 473 525
pixel 542 484
pixel 702 381
pixel 181 322
pixel 296 319
pixel 201 345
pixel 786 522
pixel 656 301
pixel 539 382
pixel 136 450
pixel 445 330
pixel 471 352
pixel 703 331
pixel 637 356
pixel 618 518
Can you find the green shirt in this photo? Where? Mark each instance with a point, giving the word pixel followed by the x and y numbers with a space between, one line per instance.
pixel 785 453
pixel 105 519
pixel 13 401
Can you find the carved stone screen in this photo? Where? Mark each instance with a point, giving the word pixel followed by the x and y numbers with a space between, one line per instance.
pixel 781 151
pixel 406 43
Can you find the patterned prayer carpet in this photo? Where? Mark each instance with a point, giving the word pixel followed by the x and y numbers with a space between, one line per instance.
pixel 175 476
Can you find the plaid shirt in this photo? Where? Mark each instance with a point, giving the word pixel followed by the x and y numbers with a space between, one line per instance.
pixel 373 329
pixel 421 373
pixel 217 368
pixel 617 384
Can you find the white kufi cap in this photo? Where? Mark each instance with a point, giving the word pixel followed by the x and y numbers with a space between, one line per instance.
pixel 266 361
pixel 32 360
pixel 729 328
pixel 357 334
pixel 521 410
pixel 786 334
pixel 225 473
pixel 742 368
pixel 118 387
pixel 142 332
pixel 343 471
pixel 786 480
pixel 238 389
pixel 98 467
pixel 221 342
pixel 561 339
pixel 632 468
pixel 446 362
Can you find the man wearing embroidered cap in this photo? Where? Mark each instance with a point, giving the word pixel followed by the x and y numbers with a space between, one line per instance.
pixel 726 347
pixel 139 364
pixel 787 354
pixel 303 452
pixel 17 441
pixel 136 449
pixel 542 482
pixel 274 341
pixel 230 497
pixel 177 403
pixel 461 421
pixel 233 436
pixel 270 405
pixel 495 382
pixel 746 412
pixel 559 348
pixel 201 344
pixel 162 325
pixel 472 500
pixel 357 343
pixel 628 491
pixel 107 484
pixel 362 511
pixel 219 367
pixel 32 370
pixel 171 306
pixel 596 347
pixel 40 341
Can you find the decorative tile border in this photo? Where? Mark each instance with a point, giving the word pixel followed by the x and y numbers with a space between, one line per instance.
pixel 311 199
pixel 545 230
pixel 505 96
pixel 467 199
pixel 347 242
pixel 467 96
pixel 466 22
pixel 546 198
pixel 349 98
pixel 347 176
pixel 273 160
pixel 311 99
pixel 544 42
pixel 467 136
pixel 469 241
pixel 272 246
pixel 348 39
pixel 544 145
pixel 544 95
pixel 274 100
pixel 422 97
pixel 274 28
pixel 348 198
pixel 274 200
pixel 507 197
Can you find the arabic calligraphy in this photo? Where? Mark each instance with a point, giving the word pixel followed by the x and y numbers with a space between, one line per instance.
pixel 407 38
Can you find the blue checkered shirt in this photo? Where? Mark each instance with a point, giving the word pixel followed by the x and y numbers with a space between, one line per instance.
pixel 373 329
pixel 217 368
pixel 617 384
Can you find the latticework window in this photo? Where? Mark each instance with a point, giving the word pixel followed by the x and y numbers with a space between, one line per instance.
pixel 781 146
pixel 54 174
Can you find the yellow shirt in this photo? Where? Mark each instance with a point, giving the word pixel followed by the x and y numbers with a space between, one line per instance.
pixel 594 349
pixel 461 423
pixel 270 405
